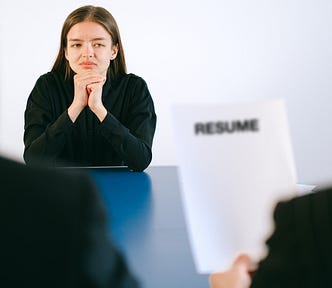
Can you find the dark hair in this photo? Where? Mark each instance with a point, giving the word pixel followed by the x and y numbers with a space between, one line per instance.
pixel 103 17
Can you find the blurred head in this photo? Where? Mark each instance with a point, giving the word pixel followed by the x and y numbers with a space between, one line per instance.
pixel 90 39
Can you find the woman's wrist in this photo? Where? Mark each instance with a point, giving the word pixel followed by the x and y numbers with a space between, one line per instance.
pixel 100 112
pixel 74 111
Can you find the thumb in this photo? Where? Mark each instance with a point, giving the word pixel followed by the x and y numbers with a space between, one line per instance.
pixel 243 261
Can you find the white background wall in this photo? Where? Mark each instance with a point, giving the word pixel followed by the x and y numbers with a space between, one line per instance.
pixel 191 50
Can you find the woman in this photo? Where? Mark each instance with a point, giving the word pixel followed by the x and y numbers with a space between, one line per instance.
pixel 88 111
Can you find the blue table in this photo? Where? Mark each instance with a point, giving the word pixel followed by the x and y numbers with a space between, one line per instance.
pixel 147 224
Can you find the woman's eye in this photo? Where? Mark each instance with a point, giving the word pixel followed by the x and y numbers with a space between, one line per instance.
pixel 76 45
pixel 98 45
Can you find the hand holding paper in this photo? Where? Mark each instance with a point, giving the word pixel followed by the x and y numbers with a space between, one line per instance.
pixel 238 276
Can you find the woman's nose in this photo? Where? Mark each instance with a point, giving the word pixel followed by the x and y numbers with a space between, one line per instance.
pixel 88 50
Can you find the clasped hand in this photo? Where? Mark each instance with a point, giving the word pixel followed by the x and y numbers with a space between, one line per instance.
pixel 88 92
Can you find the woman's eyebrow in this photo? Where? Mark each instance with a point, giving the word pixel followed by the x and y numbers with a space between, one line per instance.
pixel 75 40
pixel 94 39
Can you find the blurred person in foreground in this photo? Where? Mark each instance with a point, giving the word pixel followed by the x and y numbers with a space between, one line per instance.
pixel 53 231
pixel 299 250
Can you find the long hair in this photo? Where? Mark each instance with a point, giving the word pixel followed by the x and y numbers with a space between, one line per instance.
pixel 101 16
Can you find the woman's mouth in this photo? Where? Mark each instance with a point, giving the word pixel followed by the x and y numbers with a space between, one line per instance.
pixel 87 64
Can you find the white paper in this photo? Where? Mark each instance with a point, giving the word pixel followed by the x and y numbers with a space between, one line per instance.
pixel 303 189
pixel 230 182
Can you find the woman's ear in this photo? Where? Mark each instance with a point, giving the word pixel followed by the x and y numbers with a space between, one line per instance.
pixel 114 52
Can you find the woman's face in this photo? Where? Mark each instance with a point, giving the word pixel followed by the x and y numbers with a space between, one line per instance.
pixel 89 48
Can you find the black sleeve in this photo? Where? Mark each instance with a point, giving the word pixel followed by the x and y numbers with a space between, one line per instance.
pixel 45 134
pixel 102 264
pixel 133 140
pixel 300 249
pixel 279 267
